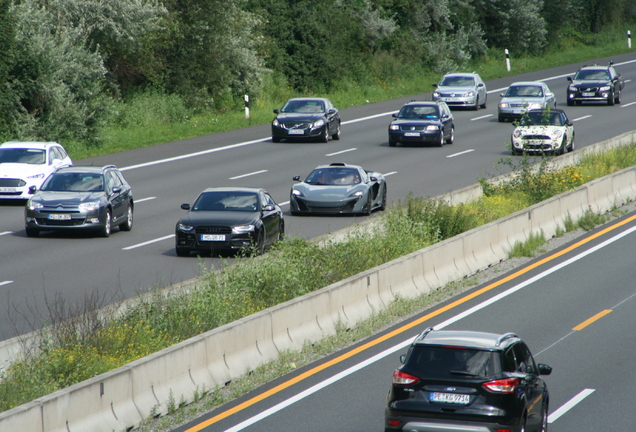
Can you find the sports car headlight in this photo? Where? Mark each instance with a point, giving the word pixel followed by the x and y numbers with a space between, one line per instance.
pixel 432 128
pixel 394 127
pixel 36 176
pixel 318 123
pixel 297 193
pixel 534 105
pixel 184 227
pixel 275 122
pixel 605 88
pixel 242 229
pixel 357 194
pixel 89 206
pixel 33 205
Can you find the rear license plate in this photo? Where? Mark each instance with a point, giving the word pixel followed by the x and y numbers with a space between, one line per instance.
pixel 59 216
pixel 296 132
pixel 7 190
pixel 212 237
pixel 411 134
pixel 450 398
pixel 587 94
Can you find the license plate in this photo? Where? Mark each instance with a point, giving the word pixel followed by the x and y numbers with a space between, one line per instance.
pixel 588 94
pixel 212 237
pixel 452 99
pixel 450 398
pixel 296 132
pixel 411 134
pixel 59 216
pixel 7 190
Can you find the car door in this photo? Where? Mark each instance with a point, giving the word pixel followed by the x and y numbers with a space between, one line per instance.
pixel 533 385
pixel 270 217
pixel 446 116
pixel 332 117
pixel 116 195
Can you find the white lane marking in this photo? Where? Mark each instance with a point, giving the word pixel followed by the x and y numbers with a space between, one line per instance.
pixel 144 199
pixel 582 118
pixel 6 232
pixel 283 203
pixel 569 405
pixel 248 174
pixel 341 152
pixel 628 104
pixel 5 283
pixel 460 153
pixel 148 242
pixel 404 344
pixel 389 173
pixel 370 117
pixel 481 117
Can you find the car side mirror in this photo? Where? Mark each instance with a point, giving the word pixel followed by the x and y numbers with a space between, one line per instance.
pixel 185 206
pixel 394 115
pixel 296 178
pixel 501 94
pixel 544 369
pixel 373 179
pixel 435 85
pixel 32 189
pixel 331 111
pixel 268 208
pixel 569 78
pixel 480 85
pixel 56 162
pixel 116 189
pixel 549 94
pixel 402 358
pixel 276 111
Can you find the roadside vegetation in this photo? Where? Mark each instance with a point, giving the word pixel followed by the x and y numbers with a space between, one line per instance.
pixel 80 346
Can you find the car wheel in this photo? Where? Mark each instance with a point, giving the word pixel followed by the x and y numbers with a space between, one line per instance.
pixel 259 247
pixel 544 420
pixel 369 207
pixel 128 223
pixel 451 139
pixel 281 231
pixel 324 137
pixel 275 139
pixel 564 144
pixel 30 232
pixel 336 136
pixel 610 100
pixel 105 230
pixel 571 148
pixel 182 252
pixel 570 102
pixel 476 106
pixel 392 143
pixel 383 205
pixel 483 106
pixel 440 142
pixel 618 97
pixel 501 118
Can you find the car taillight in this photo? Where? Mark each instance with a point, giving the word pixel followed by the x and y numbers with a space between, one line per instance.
pixel 505 385
pixel 403 378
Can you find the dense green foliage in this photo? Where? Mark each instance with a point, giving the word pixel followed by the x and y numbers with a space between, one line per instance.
pixel 75 349
pixel 70 68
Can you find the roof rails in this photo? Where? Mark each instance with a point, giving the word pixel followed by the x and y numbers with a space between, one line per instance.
pixel 503 337
pixel 424 333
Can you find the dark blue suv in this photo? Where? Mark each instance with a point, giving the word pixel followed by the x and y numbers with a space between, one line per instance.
pixel 468 381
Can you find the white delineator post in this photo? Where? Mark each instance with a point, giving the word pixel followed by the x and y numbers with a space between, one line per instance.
pixel 507 59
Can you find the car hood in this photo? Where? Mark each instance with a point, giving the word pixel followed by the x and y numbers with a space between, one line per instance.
pixel 539 130
pixel 424 122
pixel 52 198
pixel 299 117
pixel 591 83
pixel 327 193
pixel 219 218
pixel 19 170
pixel 455 89
pixel 523 100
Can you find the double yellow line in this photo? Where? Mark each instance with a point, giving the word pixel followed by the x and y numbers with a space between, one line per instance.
pixel 410 325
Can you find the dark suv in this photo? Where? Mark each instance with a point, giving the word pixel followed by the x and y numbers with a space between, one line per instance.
pixel 468 381
pixel 596 84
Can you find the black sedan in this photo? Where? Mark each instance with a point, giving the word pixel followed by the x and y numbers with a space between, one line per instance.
pixel 81 198
pixel 306 119
pixel 422 122
pixel 338 188
pixel 230 219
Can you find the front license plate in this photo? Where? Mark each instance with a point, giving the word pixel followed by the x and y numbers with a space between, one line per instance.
pixel 296 132
pixel 450 398
pixel 7 190
pixel 59 216
pixel 411 134
pixel 587 94
pixel 212 237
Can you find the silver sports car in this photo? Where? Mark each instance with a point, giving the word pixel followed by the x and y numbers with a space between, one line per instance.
pixel 338 188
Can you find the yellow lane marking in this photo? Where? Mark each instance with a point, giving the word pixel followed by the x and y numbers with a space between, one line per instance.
pixel 402 329
pixel 589 321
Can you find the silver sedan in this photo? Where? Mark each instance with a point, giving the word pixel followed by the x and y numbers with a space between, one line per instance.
pixel 523 96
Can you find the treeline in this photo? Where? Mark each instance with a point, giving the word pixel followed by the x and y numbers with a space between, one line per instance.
pixel 65 64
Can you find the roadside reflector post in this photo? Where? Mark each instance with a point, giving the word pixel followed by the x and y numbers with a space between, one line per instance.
pixel 507 59
pixel 247 106
pixel 629 39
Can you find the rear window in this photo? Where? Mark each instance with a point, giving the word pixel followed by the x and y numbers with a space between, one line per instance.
pixel 452 362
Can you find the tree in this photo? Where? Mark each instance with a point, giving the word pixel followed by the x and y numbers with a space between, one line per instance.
pixel 7 35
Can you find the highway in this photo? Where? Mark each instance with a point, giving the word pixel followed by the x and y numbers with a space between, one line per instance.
pixel 37 273
pixel 574 306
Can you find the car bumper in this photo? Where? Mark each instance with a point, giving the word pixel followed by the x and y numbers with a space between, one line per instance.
pixel 536 145
pixel 457 101
pixel 297 134
pixel 194 242
pixel 348 206
pixel 589 96
pixel 54 221
pixel 421 137
pixel 418 424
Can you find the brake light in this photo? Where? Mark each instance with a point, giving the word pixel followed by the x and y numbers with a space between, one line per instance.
pixel 403 378
pixel 505 385
pixel 393 423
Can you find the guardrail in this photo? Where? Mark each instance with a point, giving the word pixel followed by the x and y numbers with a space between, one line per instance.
pixel 122 398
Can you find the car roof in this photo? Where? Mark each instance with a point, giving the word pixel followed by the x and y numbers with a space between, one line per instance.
pixel 466 74
pixel 552 110
pixel 85 169
pixel 465 338
pixel 596 67
pixel 527 83
pixel 422 103
pixel 234 189
pixel 337 165
pixel 308 99
pixel 30 144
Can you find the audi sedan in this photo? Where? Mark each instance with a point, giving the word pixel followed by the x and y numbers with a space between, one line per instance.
pixel 523 96
pixel 229 219
pixel 303 119
pixel 338 188
pixel 81 198
pixel 26 164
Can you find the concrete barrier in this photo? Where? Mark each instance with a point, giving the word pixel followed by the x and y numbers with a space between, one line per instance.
pixel 120 399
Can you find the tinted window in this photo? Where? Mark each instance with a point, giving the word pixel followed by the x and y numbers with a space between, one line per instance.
pixel 419 112
pixel 226 201
pixel 448 362
pixel 458 81
pixel 78 182
pixel 25 156
pixel 334 177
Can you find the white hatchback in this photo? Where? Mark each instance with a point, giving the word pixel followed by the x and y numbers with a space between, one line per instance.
pixel 26 164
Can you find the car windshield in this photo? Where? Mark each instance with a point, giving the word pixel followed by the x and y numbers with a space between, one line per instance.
pixel 541 118
pixel 524 91
pixel 419 112
pixel 452 362
pixel 592 74
pixel 304 106
pixel 458 81
pixel 23 156
pixel 334 177
pixel 226 201
pixel 74 182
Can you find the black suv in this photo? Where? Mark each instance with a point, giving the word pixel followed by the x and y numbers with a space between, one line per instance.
pixel 596 84
pixel 468 381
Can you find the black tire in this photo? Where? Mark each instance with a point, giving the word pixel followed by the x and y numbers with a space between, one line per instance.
pixel 392 143
pixel 571 148
pixel 108 225
pixel 324 137
pixel 501 118
pixel 451 139
pixel 440 143
pixel 483 106
pixel 570 102
pixel 275 139
pixel 383 205
pixel 564 143
pixel 30 232
pixel 610 100
pixel 336 136
pixel 128 223
pixel 617 100
pixel 182 252
pixel 259 247
pixel 367 211
pixel 281 231
pixel 544 420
